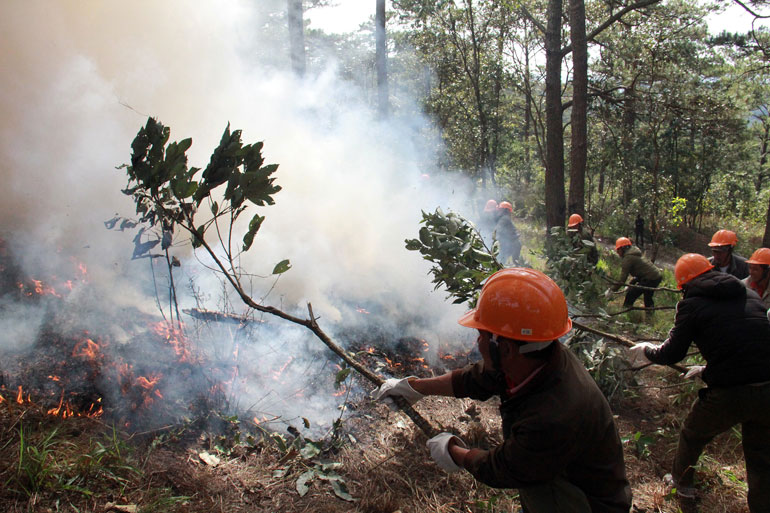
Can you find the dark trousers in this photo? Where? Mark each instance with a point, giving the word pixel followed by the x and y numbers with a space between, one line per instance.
pixel 716 410
pixel 640 237
pixel 633 293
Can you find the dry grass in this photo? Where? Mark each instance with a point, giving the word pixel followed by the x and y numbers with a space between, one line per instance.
pixel 387 469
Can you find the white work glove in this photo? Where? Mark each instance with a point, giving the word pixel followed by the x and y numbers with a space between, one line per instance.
pixel 396 387
pixel 439 451
pixel 637 353
pixel 608 294
pixel 694 371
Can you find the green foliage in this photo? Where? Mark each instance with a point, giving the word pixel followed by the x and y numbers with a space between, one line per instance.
pixel 640 442
pixel 462 260
pixel 36 469
pixel 568 264
pixel 168 195
pixel 678 207
pixel 47 464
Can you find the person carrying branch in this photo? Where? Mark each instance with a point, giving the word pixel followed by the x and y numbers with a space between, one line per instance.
pixel 727 323
pixel 759 275
pixel 582 240
pixel 723 256
pixel 561 447
pixel 643 272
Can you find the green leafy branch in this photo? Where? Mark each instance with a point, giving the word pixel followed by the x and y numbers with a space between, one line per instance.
pixel 462 260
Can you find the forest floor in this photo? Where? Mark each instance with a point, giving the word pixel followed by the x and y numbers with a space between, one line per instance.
pixel 376 463
pixel 50 464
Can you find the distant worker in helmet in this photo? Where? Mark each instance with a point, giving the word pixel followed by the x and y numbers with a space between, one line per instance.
pixel 723 257
pixel 644 273
pixel 507 235
pixel 487 222
pixel 560 447
pixel 759 274
pixel 727 323
pixel 582 240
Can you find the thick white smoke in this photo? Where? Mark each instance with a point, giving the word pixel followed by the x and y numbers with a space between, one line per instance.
pixel 80 78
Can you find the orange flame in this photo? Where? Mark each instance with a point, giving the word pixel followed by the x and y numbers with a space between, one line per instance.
pixel 87 349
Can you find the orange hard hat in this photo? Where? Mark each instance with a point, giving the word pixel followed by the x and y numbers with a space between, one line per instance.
pixel 622 242
pixel 760 256
pixel 505 205
pixel 522 304
pixel 689 266
pixel 724 238
pixel 491 206
pixel 574 220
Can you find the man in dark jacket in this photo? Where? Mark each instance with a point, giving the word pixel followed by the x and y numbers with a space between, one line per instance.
pixel 723 257
pixel 644 273
pixel 561 447
pixel 507 235
pixel 729 326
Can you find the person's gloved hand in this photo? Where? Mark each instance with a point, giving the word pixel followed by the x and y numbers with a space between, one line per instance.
pixel 694 371
pixel 439 451
pixel 608 294
pixel 395 387
pixel 637 353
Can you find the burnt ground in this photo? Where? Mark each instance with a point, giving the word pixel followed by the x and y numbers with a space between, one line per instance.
pixel 88 466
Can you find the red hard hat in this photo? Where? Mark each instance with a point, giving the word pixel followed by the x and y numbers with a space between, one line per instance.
pixel 689 266
pixel 574 220
pixel 724 238
pixel 622 242
pixel 522 304
pixel 760 256
pixel 505 205
pixel 491 206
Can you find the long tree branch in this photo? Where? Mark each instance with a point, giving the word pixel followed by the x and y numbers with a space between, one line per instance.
pixel 609 21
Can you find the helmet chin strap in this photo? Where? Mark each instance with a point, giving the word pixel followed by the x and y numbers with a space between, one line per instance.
pixel 494 349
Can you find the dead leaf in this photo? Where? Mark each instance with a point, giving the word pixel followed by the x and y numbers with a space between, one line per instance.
pixel 209 459
pixel 123 508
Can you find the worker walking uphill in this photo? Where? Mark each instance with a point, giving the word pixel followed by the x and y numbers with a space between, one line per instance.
pixel 723 257
pixel 727 323
pixel 507 235
pixel 644 274
pixel 582 240
pixel 759 274
pixel 561 447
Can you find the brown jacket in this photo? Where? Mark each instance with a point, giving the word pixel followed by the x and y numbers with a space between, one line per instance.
pixel 558 424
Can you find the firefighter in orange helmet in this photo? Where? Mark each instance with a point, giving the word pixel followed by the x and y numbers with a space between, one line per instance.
pixel 561 446
pixel 582 240
pixel 723 257
pixel 487 222
pixel 728 324
pixel 644 273
pixel 759 274
pixel 507 235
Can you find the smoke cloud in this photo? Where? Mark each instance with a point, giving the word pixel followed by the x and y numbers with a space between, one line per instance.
pixel 81 77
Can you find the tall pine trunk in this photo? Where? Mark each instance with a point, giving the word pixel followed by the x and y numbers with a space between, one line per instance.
pixel 555 203
pixel 383 105
pixel 579 142
pixel 296 37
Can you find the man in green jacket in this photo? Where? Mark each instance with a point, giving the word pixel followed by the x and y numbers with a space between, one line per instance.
pixel 643 272
pixel 561 447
